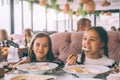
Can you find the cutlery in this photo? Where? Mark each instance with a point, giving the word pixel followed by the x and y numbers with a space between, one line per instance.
pixel 75 75
pixel 19 62
pixel 50 79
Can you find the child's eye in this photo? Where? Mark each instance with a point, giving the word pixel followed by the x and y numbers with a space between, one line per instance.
pixel 84 38
pixel 92 39
pixel 37 44
pixel 45 45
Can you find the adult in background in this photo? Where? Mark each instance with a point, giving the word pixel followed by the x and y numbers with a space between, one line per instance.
pixel 83 24
pixel 5 42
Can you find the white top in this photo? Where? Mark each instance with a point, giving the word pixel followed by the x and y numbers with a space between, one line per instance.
pixel 105 61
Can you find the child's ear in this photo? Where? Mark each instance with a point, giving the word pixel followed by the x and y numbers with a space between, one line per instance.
pixel 102 45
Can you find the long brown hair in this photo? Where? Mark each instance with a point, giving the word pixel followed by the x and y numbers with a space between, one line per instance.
pixel 27 34
pixel 3 35
pixel 50 56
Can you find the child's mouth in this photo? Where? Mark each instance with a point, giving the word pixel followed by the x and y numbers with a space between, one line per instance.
pixel 85 49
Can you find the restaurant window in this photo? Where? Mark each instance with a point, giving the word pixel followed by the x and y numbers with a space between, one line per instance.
pixel 39 21
pixel 51 16
pixel 62 22
pixel 5 16
pixel 107 21
pixel 18 16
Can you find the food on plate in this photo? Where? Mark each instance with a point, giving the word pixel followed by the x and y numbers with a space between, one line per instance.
pixel 86 70
pixel 81 70
pixel 32 77
pixel 37 67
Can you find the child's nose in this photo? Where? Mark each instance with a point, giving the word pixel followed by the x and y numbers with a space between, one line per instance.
pixel 87 42
pixel 41 47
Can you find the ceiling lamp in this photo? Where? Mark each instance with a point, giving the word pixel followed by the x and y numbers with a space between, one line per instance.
pixel 90 7
pixel 42 2
pixel 108 13
pixel 84 1
pixel 66 8
pixel 105 3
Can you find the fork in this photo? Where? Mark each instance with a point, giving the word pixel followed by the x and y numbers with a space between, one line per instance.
pixel 50 79
pixel 75 75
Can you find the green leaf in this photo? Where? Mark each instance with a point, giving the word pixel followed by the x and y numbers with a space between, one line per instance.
pixel 70 13
pixel 69 0
pixel 56 8
pixel 31 5
pixel 97 14
pixel 53 2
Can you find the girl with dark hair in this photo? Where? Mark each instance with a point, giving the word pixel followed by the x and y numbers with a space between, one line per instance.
pixel 40 49
pixel 94 40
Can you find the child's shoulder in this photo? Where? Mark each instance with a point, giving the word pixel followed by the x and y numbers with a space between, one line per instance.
pixel 108 60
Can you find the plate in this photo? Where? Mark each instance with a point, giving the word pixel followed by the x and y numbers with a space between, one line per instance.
pixel 86 70
pixel 3 64
pixel 32 77
pixel 88 79
pixel 37 67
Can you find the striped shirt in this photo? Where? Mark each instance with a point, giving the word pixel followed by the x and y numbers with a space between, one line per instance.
pixel 8 43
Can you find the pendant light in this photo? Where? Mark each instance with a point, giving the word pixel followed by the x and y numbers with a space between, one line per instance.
pixel 105 3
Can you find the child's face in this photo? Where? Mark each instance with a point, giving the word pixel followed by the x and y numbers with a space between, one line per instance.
pixel 40 48
pixel 92 42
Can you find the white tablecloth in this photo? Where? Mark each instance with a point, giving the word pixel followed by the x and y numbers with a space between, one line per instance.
pixel 61 75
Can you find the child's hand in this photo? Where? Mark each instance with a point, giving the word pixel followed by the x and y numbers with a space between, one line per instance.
pixel 71 60
pixel 25 60
pixel 117 69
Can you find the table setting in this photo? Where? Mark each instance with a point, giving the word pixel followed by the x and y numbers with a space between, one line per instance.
pixel 49 71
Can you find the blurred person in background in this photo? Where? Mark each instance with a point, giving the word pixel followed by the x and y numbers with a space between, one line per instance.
pixel 27 36
pixel 118 29
pixel 113 28
pixel 27 33
pixel 83 24
pixel 5 42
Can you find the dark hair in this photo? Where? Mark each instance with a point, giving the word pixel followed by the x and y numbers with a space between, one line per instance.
pixel 50 56
pixel 118 29
pixel 82 22
pixel 113 28
pixel 103 37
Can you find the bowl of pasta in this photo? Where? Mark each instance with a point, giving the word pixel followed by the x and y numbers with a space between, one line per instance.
pixel 32 77
pixel 86 70
pixel 37 67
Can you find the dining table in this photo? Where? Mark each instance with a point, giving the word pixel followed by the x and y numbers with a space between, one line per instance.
pixel 60 75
